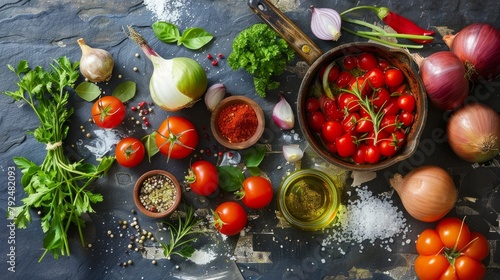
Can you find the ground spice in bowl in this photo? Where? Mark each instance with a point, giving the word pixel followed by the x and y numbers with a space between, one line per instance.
pixel 237 122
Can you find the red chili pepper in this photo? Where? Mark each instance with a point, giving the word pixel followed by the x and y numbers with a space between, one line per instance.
pixel 403 25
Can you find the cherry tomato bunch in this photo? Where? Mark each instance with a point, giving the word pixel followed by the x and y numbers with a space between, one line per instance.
pixel 451 251
pixel 369 112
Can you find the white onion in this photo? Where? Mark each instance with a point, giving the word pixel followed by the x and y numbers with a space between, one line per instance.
pixel 428 193
pixel 292 153
pixel 325 23
pixel 474 133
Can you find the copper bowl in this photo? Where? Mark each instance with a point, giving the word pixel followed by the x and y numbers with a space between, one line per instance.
pixel 176 200
pixel 219 135
pixel 396 57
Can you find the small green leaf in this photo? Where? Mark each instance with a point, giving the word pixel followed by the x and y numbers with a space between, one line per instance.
pixel 254 156
pixel 195 38
pixel 150 145
pixel 88 91
pixel 125 91
pixel 255 171
pixel 104 164
pixel 166 32
pixel 230 178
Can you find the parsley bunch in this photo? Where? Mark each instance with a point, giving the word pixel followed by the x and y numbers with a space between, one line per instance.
pixel 57 187
pixel 259 51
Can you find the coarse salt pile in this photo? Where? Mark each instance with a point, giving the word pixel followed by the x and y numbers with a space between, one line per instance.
pixel 367 218
pixel 167 10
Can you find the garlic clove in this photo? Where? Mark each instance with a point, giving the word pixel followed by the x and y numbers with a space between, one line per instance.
pixel 325 23
pixel 283 114
pixel 214 95
pixel 292 153
pixel 96 65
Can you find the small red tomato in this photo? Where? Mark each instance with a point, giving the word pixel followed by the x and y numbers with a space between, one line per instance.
pixel 406 118
pixel 316 120
pixel 345 145
pixel 380 97
pixel 390 123
pixel 108 112
pixel 343 79
pixel 256 193
pixel 332 75
pixel 350 62
pixel 394 77
pixel 406 102
pixel 129 152
pixel 230 218
pixel 203 178
pixel 348 101
pixel 387 148
pixel 331 110
pixel 372 154
pixel 331 130
pixel 359 155
pixel 367 61
pixel 312 104
pixel 375 77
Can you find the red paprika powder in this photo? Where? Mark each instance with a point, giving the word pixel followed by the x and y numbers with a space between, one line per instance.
pixel 237 122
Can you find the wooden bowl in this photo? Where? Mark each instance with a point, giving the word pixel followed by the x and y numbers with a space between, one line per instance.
pixel 223 140
pixel 174 202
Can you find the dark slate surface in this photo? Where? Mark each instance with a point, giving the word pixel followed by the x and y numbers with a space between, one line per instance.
pixel 40 31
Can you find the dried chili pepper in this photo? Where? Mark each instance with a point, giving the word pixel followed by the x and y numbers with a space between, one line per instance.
pixel 399 23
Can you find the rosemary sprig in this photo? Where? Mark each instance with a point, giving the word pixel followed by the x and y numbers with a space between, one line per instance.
pixel 179 242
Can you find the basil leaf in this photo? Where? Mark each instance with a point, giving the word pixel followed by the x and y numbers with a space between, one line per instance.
pixel 88 91
pixel 195 38
pixel 230 178
pixel 254 156
pixel 150 145
pixel 125 91
pixel 166 32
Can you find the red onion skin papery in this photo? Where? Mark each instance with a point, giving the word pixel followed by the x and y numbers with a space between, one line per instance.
pixel 478 47
pixel 474 133
pixel 445 80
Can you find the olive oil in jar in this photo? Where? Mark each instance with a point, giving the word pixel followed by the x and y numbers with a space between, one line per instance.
pixel 307 198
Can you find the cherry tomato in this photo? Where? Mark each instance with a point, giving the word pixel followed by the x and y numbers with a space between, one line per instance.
pixel 330 146
pixel 360 84
pixel 350 62
pixel 345 145
pixel 398 137
pixel 390 123
pixel 359 155
pixel 367 61
pixel 316 120
pixel 383 64
pixel 349 122
pixel 108 112
pixel 312 104
pixel 176 137
pixel 375 77
pixel 380 97
pixel 348 101
pixel 256 193
pixel 203 178
pixel 391 107
pixel 406 118
pixel 406 102
pixel 372 154
pixel 331 130
pixel 370 137
pixel 364 125
pixel 230 218
pixel 343 79
pixel 331 110
pixel 394 77
pixel 332 75
pixel 129 152
pixel 387 148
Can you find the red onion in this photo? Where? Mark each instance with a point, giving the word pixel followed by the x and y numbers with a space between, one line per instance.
pixel 474 133
pixel 445 80
pixel 478 46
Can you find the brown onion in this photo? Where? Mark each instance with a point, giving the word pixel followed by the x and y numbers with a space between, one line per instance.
pixel 445 80
pixel 478 46
pixel 428 193
pixel 474 133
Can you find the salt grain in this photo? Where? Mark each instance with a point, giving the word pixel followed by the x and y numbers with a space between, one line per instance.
pixel 167 10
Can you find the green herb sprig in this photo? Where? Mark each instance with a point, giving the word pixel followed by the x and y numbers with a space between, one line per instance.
pixel 180 236
pixel 262 53
pixel 193 38
pixel 57 187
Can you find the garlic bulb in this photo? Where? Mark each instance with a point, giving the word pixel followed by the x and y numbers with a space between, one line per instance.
pixel 176 83
pixel 325 23
pixel 95 64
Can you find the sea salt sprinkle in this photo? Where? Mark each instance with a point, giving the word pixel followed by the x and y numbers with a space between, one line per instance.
pixel 167 10
pixel 367 218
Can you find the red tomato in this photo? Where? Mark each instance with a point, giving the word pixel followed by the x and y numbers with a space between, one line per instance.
pixel 375 77
pixel 332 130
pixel 390 123
pixel 176 137
pixel 331 110
pixel 332 75
pixel 129 152
pixel 398 137
pixel 361 85
pixel 316 120
pixel 451 252
pixel 364 125
pixel 406 118
pixel 203 178
pixel 330 146
pixel 349 122
pixel 394 77
pixel 108 112
pixel 391 107
pixel 367 61
pixel 383 64
pixel 312 104
pixel 350 62
pixel 256 193
pixel 387 148
pixel 380 97
pixel 348 101
pixel 230 218
pixel 372 154
pixel 407 102
pixel 343 79
pixel 370 137
pixel 345 145
pixel 359 155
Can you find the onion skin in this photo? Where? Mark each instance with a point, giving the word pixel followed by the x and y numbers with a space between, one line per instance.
pixel 478 47
pixel 474 133
pixel 428 193
pixel 445 80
